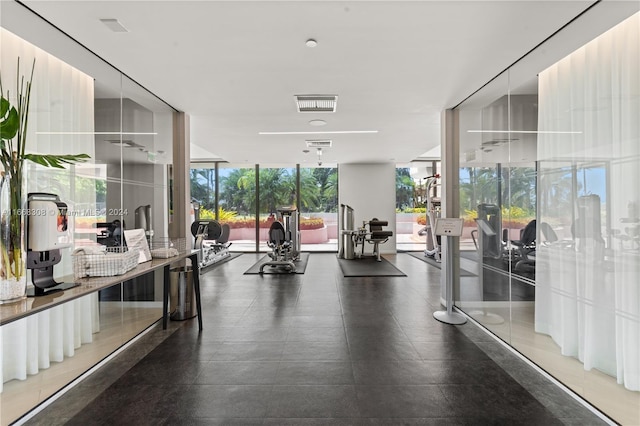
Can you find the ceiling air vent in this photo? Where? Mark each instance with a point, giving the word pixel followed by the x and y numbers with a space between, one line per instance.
pixel 321 143
pixel 316 103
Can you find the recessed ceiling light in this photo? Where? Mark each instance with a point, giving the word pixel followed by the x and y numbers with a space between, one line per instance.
pixel 311 43
pixel 317 122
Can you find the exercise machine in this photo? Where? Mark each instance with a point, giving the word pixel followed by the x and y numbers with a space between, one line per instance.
pixel 284 240
pixel 489 238
pixel 351 238
pixel 376 236
pixel 433 211
pixel 346 225
pixel 211 241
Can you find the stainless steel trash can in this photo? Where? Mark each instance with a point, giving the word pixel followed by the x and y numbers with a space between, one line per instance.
pixel 182 296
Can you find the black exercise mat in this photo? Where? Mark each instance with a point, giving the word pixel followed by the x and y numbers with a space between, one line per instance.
pixel 301 266
pixel 207 268
pixel 431 261
pixel 368 266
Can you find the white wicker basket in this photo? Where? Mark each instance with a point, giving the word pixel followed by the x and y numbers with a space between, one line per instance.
pixel 104 261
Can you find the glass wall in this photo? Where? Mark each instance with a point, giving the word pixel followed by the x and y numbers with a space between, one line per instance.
pixel 277 189
pixel 417 199
pixel 549 189
pixel 237 204
pixel 81 105
pixel 313 189
pixel 319 208
pixel 203 191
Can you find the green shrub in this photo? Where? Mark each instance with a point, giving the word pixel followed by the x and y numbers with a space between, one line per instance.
pixel 223 215
pixel 250 222
pixel 311 223
pixel 412 210
pixel 515 212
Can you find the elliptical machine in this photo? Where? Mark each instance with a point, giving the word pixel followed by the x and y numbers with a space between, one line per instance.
pixel 211 241
pixel 433 211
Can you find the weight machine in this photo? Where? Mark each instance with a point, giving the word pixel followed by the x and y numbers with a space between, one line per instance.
pixel 284 240
pixel 433 212
pixel 351 238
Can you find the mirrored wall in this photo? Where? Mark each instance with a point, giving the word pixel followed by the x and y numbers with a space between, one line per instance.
pixel 549 190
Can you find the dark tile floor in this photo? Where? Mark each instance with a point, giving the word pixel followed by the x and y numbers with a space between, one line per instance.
pixel 317 349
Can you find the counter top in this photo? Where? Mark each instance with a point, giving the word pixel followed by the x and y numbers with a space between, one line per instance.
pixel 10 312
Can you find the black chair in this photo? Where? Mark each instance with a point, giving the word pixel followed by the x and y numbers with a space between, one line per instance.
pixel 524 257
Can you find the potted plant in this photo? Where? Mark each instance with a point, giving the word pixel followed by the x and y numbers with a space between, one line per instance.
pixel 13 133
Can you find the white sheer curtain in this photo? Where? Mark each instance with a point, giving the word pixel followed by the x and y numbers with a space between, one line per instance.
pixel 32 343
pixel 588 286
pixel 61 101
pixel 61 121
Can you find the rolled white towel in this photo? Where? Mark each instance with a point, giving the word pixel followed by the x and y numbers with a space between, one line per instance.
pixel 90 250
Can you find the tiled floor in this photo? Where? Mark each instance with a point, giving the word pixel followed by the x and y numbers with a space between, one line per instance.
pixel 317 349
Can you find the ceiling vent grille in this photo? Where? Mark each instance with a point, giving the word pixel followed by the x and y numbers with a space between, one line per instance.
pixel 316 103
pixel 319 143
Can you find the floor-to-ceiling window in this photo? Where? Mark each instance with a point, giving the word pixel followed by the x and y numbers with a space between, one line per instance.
pixel 319 208
pixel 203 190
pixel 243 191
pixel 417 200
pixel 549 175
pixel 277 195
pixel 237 204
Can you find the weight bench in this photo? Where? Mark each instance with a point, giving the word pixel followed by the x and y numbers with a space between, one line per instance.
pixel 378 236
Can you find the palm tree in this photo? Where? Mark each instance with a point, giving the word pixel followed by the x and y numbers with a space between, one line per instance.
pixel 277 189
pixel 520 190
pixel 235 189
pixel 404 188
pixel 326 181
pixel 310 191
pixel 482 187
pixel 203 187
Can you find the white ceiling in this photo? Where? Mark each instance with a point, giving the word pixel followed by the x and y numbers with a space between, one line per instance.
pixel 235 66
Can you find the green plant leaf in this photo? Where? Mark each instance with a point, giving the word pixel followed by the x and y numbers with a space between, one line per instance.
pixel 4 106
pixel 56 161
pixel 9 120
